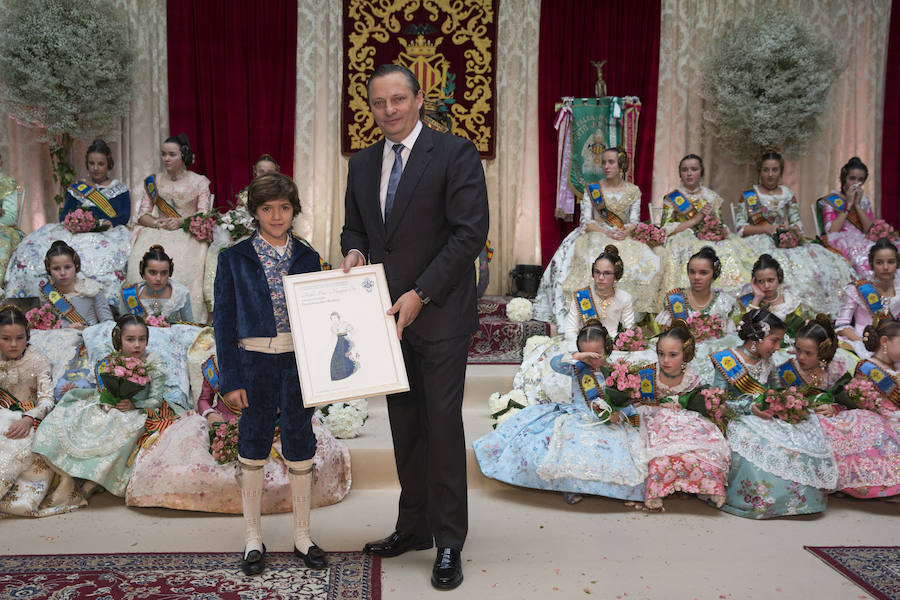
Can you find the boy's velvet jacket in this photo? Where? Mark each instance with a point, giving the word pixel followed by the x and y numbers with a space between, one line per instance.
pixel 243 304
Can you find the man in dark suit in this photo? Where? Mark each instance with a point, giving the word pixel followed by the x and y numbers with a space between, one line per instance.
pixel 416 201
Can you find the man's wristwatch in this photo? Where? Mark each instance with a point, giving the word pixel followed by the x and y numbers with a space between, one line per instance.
pixel 425 299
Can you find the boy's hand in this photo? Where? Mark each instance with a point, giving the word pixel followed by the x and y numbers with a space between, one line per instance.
pixel 236 397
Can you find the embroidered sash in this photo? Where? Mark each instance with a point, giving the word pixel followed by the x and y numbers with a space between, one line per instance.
pixel 7 400
pixel 789 375
pixel 591 390
pixel 840 205
pixel 97 378
pixel 59 302
pixel 600 206
pixel 886 384
pixel 677 304
pixel 648 385
pixel 746 299
pixel 164 207
pixel 682 204
pixel 86 190
pixel 731 368
pixel 158 419
pixel 211 374
pixel 584 299
pixel 132 301
pixel 754 207
pixel 870 296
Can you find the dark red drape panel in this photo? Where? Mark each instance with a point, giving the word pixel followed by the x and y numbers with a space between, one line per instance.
pixel 232 85
pixel 574 32
pixel 890 140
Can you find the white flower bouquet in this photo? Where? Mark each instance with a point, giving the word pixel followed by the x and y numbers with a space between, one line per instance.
pixel 344 419
pixel 519 310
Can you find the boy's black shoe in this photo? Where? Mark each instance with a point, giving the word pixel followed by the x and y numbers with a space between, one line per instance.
pixel 254 562
pixel 314 558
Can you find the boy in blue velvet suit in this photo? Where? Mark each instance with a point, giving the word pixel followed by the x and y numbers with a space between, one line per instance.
pixel 258 371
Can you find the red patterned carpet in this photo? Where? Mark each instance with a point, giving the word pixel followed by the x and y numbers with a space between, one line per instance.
pixel 875 569
pixel 498 340
pixel 199 576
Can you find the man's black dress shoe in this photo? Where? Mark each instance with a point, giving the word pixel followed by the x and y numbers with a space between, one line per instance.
pixel 314 558
pixel 396 544
pixel 447 572
pixel 254 562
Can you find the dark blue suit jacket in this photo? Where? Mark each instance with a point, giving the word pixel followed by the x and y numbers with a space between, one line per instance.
pixel 243 306
pixel 437 228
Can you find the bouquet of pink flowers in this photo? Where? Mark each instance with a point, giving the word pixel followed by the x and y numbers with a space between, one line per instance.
pixel 879 229
pixel 631 340
pixel 156 321
pixel 122 377
pixel 788 405
pixel 82 221
pixel 651 235
pixel 787 237
pixel 716 409
pixel 711 229
pixel 624 379
pixel 201 226
pixel 223 439
pixel 43 317
pixel 863 394
pixel 706 327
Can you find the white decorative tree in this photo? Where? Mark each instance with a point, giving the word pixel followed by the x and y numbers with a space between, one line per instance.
pixel 65 68
pixel 766 81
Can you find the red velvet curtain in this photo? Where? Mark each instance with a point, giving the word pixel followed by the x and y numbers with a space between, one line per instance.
pixel 574 32
pixel 232 85
pixel 890 140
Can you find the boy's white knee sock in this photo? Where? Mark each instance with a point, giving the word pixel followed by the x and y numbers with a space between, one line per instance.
pixel 300 473
pixel 251 497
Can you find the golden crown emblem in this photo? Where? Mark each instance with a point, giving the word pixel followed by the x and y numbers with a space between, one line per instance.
pixel 420 46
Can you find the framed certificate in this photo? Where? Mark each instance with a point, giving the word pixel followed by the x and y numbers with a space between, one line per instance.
pixel 345 342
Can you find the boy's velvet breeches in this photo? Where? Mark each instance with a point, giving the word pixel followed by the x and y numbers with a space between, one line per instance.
pixel 273 391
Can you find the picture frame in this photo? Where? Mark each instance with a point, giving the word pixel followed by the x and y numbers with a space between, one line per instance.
pixel 345 343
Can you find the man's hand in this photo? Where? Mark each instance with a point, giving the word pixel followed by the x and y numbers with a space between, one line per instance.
pixel 353 259
pixel 407 308
pixel 237 398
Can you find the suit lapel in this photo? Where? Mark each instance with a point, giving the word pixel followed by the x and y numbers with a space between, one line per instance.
pixel 419 158
pixel 371 204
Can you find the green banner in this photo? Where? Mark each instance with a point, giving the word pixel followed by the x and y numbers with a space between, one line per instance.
pixel 596 126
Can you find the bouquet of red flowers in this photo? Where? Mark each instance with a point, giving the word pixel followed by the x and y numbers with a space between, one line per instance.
pixel 223 439
pixel 863 394
pixel 706 327
pixel 201 226
pixel 631 340
pixel 122 377
pixel 787 237
pixel 716 409
pixel 788 405
pixel 651 235
pixel 624 379
pixel 82 221
pixel 711 229
pixel 879 229
pixel 156 321
pixel 43 318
